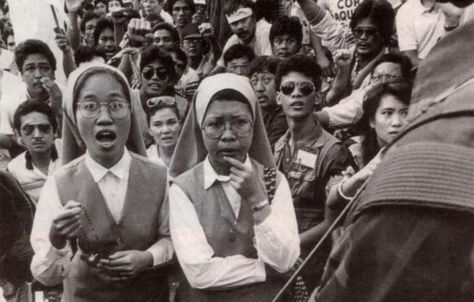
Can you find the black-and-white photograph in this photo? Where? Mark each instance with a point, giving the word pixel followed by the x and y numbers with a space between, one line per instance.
pixel 236 150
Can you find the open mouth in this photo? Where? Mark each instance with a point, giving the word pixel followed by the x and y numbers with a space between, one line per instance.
pixel 106 138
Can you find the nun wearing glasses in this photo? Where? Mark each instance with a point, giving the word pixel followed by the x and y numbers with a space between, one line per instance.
pixel 101 225
pixel 232 219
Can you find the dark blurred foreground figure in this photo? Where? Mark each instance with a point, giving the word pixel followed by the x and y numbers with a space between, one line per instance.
pixel 16 217
pixel 410 235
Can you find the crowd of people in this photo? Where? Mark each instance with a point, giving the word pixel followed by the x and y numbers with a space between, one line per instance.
pixel 240 150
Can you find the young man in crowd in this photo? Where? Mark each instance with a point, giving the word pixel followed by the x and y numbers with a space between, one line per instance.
pixel 35 125
pixel 37 65
pixel 308 156
pixel 104 37
pixel 153 11
pixel 246 29
pixel 262 76
pixel 188 79
pixel 182 12
pixel 237 59
pixel 286 36
pixel 165 36
pixel 87 27
pixel 202 49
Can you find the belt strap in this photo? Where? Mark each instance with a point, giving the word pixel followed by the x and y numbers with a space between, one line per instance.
pixel 423 174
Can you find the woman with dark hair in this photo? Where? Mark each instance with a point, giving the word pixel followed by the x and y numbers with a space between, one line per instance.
pixel 164 125
pixel 385 110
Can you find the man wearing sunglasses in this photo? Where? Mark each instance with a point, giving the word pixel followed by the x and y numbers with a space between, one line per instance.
pixel 37 65
pixel 35 126
pixel 307 155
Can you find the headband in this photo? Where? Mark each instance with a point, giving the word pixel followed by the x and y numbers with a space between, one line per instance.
pixel 239 14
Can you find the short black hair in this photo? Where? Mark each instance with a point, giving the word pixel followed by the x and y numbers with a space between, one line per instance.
pixel 154 53
pixel 302 64
pixel 180 54
pixel 86 53
pixel 238 51
pixel 264 64
pixel 6 33
pixel 396 58
pixel 170 3
pixel 170 28
pixel 87 17
pixel 285 25
pixel 32 47
pixel 30 106
pixel 231 6
pixel 106 2
pixel 401 90
pixel 102 24
pixel 380 12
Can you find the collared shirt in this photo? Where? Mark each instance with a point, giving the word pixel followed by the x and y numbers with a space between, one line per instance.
pixel 152 153
pixel 13 93
pixel 112 182
pixel 276 238
pixel 419 27
pixel 260 44
pixel 51 266
pixel 31 180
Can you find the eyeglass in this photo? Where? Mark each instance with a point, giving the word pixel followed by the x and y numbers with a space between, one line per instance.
pixel 117 109
pixel 167 100
pixel 214 128
pixel 384 77
pixel 160 73
pixel 369 32
pixel 28 129
pixel 265 77
pixel 305 87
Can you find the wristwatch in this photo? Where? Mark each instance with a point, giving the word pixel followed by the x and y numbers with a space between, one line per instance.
pixel 259 206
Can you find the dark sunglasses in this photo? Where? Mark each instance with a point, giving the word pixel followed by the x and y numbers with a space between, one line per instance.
pixel 305 87
pixel 360 31
pixel 28 129
pixel 167 100
pixel 149 72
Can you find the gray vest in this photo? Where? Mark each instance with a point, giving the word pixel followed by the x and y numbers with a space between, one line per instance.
pixel 211 207
pixel 137 229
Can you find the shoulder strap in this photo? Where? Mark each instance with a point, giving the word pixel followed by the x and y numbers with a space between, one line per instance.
pixel 324 151
pixel 271 180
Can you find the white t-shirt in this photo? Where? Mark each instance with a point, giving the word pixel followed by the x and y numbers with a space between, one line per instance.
pixel 419 28
pixel 13 93
pixel 260 44
pixel 341 10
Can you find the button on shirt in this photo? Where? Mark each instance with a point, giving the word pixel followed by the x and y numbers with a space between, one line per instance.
pixel 112 182
pixel 418 27
pixel 50 265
